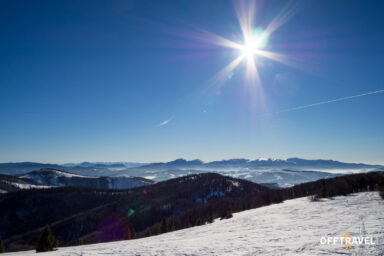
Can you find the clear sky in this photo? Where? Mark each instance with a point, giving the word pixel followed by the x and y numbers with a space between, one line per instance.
pixel 136 81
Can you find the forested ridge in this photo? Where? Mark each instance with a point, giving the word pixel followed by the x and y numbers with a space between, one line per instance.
pixel 85 215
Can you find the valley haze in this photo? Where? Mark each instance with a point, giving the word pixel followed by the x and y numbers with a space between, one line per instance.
pixel 273 172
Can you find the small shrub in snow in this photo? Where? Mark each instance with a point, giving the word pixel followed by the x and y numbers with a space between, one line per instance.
pixel 381 192
pixel 313 198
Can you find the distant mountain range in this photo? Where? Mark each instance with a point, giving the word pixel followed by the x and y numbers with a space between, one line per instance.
pixel 48 177
pixel 10 183
pixel 269 162
pixel 103 164
pixel 58 178
pixel 237 162
pixel 283 172
pixel 280 171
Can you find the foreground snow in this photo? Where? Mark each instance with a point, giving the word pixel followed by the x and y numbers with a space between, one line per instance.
pixel 291 228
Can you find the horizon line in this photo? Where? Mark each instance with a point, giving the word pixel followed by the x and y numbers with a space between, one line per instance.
pixel 189 160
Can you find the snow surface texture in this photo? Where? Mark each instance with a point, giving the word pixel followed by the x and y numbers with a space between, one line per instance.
pixel 290 228
pixel 25 185
pixel 56 173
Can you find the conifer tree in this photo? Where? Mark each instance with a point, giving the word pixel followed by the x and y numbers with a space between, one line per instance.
pixel 1 247
pixel 47 242
pixel 380 188
pixel 133 233
pixel 148 232
pixel 323 190
pixel 229 213
pixel 171 225
pixel 190 222
pixel 164 226
pixel 210 217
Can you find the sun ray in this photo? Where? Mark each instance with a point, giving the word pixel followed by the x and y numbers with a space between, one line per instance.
pixel 211 38
pixel 283 59
pixel 278 57
pixel 284 16
pixel 222 75
pixel 245 17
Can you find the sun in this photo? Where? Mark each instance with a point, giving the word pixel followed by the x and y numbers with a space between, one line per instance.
pixel 254 41
pixel 251 44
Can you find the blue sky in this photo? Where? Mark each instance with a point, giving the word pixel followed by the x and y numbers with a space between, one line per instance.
pixel 132 81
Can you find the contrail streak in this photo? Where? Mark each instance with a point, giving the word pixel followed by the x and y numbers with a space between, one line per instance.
pixel 324 102
pixel 165 122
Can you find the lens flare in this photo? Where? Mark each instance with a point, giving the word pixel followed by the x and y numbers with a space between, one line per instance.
pixel 113 227
pixel 131 212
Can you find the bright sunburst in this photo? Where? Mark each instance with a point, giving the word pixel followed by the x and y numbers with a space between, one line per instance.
pixel 254 41
pixel 253 44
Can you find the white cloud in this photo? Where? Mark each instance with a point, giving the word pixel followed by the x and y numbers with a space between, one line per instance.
pixel 165 122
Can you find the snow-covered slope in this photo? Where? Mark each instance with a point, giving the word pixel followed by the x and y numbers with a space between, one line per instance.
pixel 11 183
pixel 290 228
